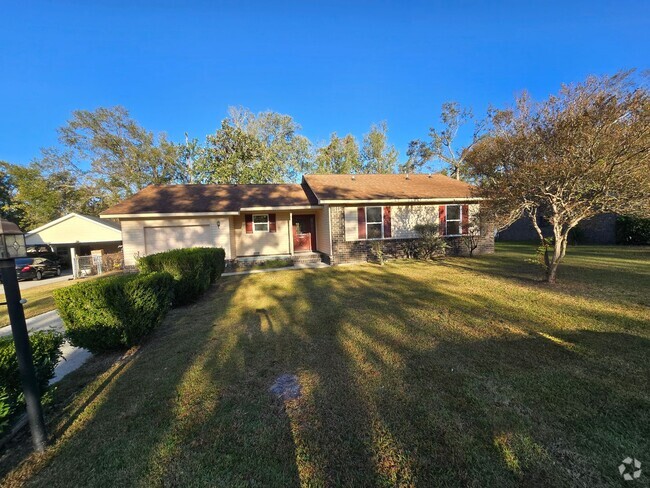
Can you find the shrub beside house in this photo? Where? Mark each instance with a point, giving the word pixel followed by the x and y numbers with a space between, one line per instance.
pixel 117 312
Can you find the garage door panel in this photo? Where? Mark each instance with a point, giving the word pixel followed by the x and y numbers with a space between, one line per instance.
pixel 160 239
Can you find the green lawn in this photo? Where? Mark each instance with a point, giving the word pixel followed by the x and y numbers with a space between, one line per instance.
pixel 39 300
pixel 466 372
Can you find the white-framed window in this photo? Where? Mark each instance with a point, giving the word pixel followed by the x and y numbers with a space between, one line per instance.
pixel 261 223
pixel 374 223
pixel 454 219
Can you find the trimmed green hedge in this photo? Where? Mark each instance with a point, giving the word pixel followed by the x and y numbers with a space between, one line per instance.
pixel 46 352
pixel 193 270
pixel 632 230
pixel 114 312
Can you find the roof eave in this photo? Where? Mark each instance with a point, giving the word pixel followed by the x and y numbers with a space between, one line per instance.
pixel 282 207
pixel 401 200
pixel 142 215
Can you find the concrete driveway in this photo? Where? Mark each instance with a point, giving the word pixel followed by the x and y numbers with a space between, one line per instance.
pixel 73 357
pixel 26 285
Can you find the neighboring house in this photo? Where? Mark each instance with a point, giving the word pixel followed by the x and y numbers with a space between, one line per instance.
pixel 330 217
pixel 600 229
pixel 77 235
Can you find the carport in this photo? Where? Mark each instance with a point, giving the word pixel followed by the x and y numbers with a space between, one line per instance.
pixel 75 235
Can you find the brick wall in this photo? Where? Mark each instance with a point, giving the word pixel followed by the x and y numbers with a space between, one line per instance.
pixel 358 251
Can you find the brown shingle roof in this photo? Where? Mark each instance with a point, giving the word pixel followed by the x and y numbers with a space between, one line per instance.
pixel 156 199
pixel 181 199
pixel 386 187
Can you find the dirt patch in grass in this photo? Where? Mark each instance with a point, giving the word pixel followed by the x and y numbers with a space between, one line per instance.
pixel 467 372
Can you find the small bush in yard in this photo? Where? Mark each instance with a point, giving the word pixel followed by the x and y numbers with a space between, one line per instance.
pixel 46 352
pixel 632 230
pixel 114 312
pixel 377 248
pixel 430 244
pixel 193 270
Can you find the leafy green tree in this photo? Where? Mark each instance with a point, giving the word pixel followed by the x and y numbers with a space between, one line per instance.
pixel 190 156
pixel 377 155
pixel 339 156
pixel 251 148
pixel 283 147
pixel 8 208
pixel 123 157
pixel 43 193
pixel 232 155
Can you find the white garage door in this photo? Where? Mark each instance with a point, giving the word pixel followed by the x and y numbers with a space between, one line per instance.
pixel 159 239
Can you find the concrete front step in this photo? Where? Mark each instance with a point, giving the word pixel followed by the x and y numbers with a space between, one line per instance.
pixel 306 258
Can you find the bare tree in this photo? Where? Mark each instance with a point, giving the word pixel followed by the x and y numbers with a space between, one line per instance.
pixel 471 237
pixel 579 153
pixel 443 144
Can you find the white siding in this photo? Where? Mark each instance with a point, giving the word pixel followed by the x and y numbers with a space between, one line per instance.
pixel 351 224
pixel 160 239
pixel 323 231
pixel 473 212
pixel 75 229
pixel 263 243
pixel 133 234
pixel 404 218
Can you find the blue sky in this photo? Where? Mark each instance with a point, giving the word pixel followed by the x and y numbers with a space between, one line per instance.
pixel 333 66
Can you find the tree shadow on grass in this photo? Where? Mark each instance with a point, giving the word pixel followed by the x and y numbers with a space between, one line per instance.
pixel 618 274
pixel 427 402
pixel 403 382
pixel 132 428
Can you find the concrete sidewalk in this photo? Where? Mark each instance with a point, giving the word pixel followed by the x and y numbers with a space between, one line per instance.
pixel 73 357
pixel 26 285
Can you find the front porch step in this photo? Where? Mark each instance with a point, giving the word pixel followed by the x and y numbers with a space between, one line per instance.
pixel 306 258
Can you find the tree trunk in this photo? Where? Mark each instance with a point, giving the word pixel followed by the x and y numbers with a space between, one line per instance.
pixel 559 250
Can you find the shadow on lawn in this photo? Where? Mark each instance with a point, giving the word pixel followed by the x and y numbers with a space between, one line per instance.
pixel 624 272
pixel 395 397
pixel 403 382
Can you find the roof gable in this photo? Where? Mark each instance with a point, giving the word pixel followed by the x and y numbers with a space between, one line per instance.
pixel 73 228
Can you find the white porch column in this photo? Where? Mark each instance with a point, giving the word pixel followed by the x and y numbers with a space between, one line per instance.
pixel 73 261
pixel 291 233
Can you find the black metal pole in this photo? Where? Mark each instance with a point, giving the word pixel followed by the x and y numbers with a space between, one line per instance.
pixel 24 354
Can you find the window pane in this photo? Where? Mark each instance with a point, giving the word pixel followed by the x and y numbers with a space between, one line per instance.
pixel 453 212
pixel 374 231
pixel 260 218
pixel 262 227
pixel 373 214
pixel 453 228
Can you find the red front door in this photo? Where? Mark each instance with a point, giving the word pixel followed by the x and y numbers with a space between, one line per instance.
pixel 304 233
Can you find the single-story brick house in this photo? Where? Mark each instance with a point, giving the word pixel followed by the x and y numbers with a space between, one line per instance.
pixel 330 217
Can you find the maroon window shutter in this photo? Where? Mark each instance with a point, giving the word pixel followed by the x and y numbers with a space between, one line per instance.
pixel 272 224
pixel 442 219
pixel 361 214
pixel 465 218
pixel 249 223
pixel 387 222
